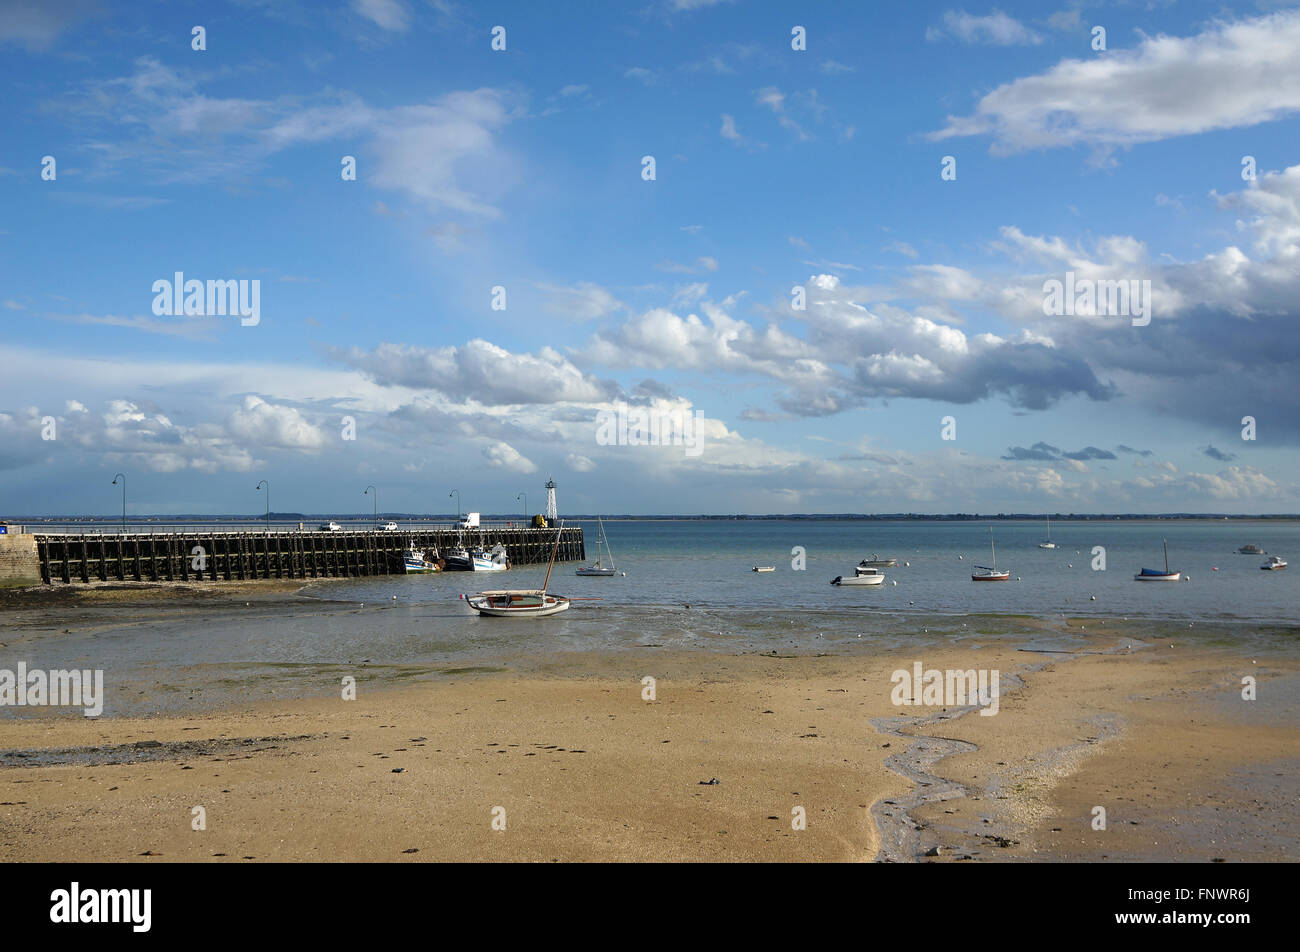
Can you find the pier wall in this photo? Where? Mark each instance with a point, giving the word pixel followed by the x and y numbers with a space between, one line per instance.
pixel 20 562
pixel 242 555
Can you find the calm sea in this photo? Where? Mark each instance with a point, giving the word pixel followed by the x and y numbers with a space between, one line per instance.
pixel 689 585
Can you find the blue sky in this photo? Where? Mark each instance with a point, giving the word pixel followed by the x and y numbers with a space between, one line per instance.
pixel 774 168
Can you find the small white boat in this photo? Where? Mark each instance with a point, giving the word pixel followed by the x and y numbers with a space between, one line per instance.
pixel 876 562
pixel 1155 575
pixel 518 603
pixel 598 569
pixel 416 564
pixel 861 576
pixel 490 561
pixel 521 603
pixel 763 568
pixel 987 573
pixel 1274 563
pixel 1048 544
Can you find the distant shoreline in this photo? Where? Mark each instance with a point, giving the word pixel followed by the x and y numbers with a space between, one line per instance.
pixel 669 517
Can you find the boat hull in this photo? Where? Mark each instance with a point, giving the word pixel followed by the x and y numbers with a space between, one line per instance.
pixel 595 573
pixel 517 604
pixel 1159 577
pixel 995 577
pixel 859 580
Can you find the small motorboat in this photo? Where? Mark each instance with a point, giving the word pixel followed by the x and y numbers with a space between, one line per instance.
pixel 876 562
pixel 986 573
pixel 521 603
pixel 1274 563
pixel 490 561
pixel 763 568
pixel 861 576
pixel 1251 549
pixel 1155 575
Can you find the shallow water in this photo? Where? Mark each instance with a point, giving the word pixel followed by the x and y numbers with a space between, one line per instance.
pixel 404 628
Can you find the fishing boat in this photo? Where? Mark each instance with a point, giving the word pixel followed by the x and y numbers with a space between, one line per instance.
pixel 493 560
pixel 521 603
pixel 1048 544
pixel 763 568
pixel 987 573
pixel 1251 549
pixel 1274 563
pixel 876 562
pixel 598 568
pixel 416 564
pixel 1155 575
pixel 458 559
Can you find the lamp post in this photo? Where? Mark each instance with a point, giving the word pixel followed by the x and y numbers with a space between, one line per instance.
pixel 122 476
pixel 456 493
pixel 525 498
pixel 376 502
pixel 267 484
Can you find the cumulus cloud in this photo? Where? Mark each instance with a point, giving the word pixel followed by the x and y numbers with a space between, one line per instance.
pixel 264 424
pixel 1231 75
pixel 480 371
pixel 505 456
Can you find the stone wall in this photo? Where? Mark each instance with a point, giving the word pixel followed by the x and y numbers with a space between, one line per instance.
pixel 19 562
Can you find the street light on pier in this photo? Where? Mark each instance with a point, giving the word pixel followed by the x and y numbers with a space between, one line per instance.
pixel 524 496
pixel 367 492
pixel 122 476
pixel 456 493
pixel 267 484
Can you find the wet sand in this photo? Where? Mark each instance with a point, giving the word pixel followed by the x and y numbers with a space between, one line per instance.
pixel 585 769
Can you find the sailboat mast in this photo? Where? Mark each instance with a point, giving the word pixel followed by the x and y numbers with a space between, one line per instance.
pixel 1166 542
pixel 555 549
pixel 994 548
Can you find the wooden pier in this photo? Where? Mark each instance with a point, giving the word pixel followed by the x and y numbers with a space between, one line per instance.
pixel 239 555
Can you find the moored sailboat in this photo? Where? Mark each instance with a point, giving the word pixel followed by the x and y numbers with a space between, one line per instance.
pixel 599 568
pixel 1048 544
pixel 522 603
pixel 986 573
pixel 1155 575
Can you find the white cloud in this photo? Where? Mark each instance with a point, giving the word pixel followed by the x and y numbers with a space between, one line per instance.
pixel 579 464
pixel 996 29
pixel 391 15
pixel 505 456
pixel 1229 76
pixel 584 301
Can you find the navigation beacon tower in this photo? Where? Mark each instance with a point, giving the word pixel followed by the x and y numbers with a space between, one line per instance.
pixel 551 513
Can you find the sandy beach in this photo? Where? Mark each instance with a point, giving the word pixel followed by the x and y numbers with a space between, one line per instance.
pixel 580 766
